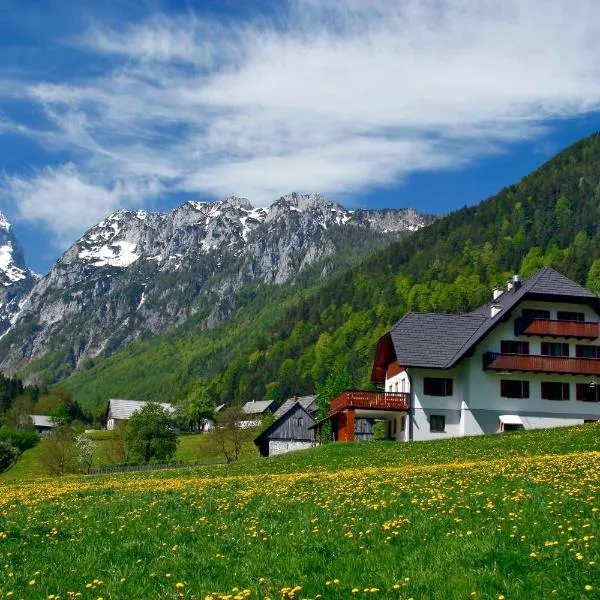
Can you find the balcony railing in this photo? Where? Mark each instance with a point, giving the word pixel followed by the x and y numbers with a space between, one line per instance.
pixel 370 400
pixel 534 363
pixel 554 328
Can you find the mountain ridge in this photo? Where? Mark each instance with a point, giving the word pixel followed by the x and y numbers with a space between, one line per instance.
pixel 138 273
pixel 275 351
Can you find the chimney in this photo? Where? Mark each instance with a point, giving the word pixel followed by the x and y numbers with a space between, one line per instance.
pixel 495 309
pixel 296 398
pixel 497 292
pixel 509 285
pixel 516 281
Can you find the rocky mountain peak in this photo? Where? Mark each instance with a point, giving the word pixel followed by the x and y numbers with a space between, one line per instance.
pixel 137 273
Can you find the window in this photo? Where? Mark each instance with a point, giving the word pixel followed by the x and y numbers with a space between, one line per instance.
pixel 512 427
pixel 567 315
pixel 552 390
pixel 514 347
pixel 437 386
pixel 555 349
pixel 437 423
pixel 514 389
pixel 299 422
pixel 582 351
pixel 587 392
pixel 533 313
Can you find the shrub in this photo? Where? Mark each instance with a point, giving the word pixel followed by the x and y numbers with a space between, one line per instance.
pixel 22 439
pixel 8 455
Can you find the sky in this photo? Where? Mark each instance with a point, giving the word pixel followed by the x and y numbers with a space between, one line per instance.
pixel 433 104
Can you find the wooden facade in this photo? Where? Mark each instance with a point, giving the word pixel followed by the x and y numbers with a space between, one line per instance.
pixel 556 328
pixel 293 426
pixel 495 361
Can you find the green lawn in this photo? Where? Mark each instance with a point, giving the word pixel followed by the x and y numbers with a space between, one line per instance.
pixel 513 516
pixel 190 449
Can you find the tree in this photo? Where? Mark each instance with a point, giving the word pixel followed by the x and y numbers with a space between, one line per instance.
pixel 229 436
pixel 8 455
pixel 195 410
pixel 86 452
pixel 593 279
pixel 335 384
pixel 58 454
pixel 150 434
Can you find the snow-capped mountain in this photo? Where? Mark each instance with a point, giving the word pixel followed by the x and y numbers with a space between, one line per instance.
pixel 16 280
pixel 138 273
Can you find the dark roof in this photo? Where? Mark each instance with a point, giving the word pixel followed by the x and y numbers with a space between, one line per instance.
pixel 439 341
pixel 306 402
pixel 432 338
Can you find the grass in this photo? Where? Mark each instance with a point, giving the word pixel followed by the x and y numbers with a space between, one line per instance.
pixel 191 448
pixel 514 516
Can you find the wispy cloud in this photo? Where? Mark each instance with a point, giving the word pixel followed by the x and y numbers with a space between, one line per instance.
pixel 335 96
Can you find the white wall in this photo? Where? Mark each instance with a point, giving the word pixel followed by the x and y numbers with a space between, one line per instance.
pixel 476 403
pixel 281 446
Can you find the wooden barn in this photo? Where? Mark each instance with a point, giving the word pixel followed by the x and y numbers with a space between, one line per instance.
pixel 289 432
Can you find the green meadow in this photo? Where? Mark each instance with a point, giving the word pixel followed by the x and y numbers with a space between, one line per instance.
pixel 503 516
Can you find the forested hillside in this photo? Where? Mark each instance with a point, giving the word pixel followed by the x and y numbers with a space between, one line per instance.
pixel 274 349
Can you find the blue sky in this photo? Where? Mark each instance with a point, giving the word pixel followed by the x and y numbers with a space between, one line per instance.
pixel 427 103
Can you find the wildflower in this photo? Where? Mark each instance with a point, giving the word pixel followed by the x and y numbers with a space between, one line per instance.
pixel 179 585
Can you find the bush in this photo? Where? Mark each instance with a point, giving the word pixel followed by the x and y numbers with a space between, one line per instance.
pixel 8 455
pixel 22 439
pixel 150 435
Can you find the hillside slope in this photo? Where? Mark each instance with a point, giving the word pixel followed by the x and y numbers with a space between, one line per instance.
pixel 136 274
pixel 549 218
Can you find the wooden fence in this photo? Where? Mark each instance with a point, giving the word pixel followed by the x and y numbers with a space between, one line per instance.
pixel 152 467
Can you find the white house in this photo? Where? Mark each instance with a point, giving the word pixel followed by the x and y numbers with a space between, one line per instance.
pixel 120 411
pixel 42 423
pixel 529 358
pixel 254 412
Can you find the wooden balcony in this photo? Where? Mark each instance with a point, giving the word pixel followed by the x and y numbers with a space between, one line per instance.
pixel 554 328
pixel 533 363
pixel 398 401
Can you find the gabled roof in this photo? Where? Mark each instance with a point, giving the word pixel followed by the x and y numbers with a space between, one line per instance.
pixel 257 407
pixel 295 408
pixel 307 403
pixel 123 409
pixel 439 341
pixel 41 421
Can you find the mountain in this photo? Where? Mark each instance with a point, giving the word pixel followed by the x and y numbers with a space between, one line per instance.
pixel 278 348
pixel 137 274
pixel 16 280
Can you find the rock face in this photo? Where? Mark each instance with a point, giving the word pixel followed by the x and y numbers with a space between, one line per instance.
pixel 16 280
pixel 140 273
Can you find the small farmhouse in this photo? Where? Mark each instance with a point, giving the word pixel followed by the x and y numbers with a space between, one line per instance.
pixel 290 430
pixel 254 412
pixel 529 358
pixel 42 423
pixel 120 411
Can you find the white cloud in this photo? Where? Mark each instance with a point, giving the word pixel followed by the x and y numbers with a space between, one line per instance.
pixel 61 200
pixel 335 96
